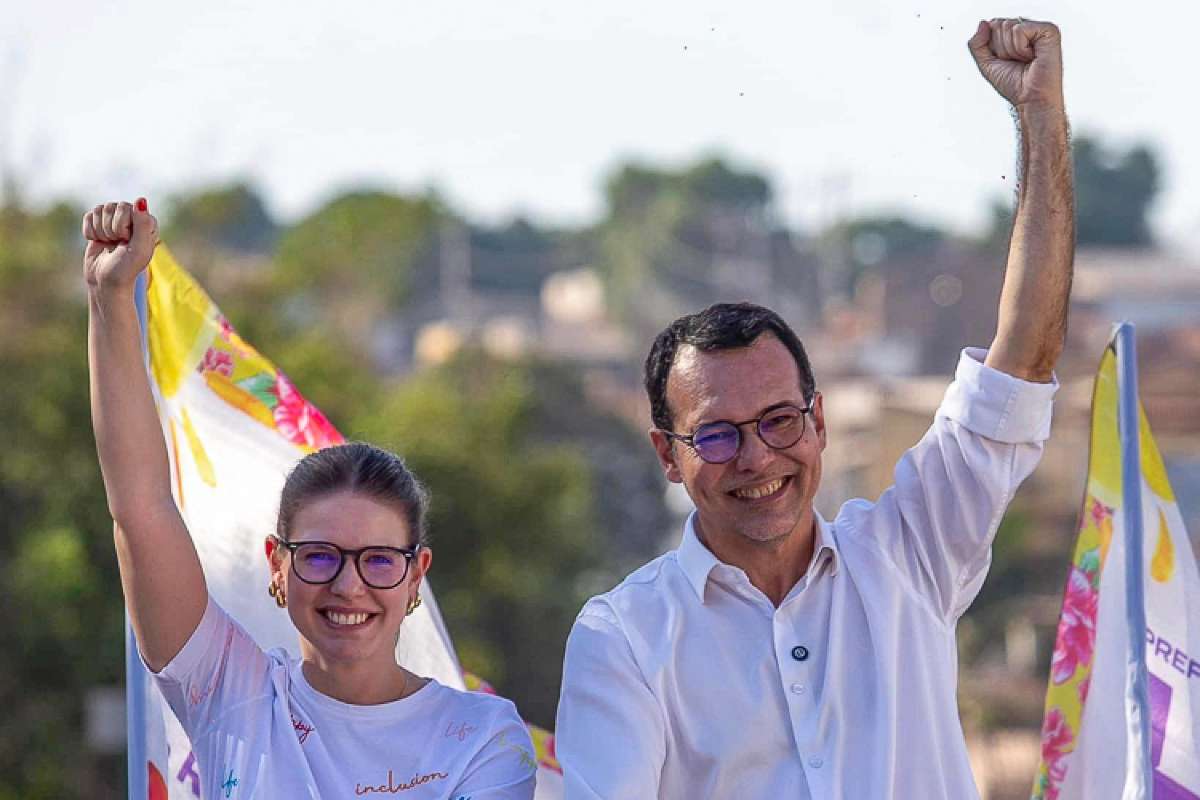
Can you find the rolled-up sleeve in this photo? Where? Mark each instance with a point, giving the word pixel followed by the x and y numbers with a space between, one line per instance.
pixel 936 523
pixel 610 736
pixel 995 405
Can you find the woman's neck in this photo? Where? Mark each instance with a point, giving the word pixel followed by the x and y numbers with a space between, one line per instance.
pixel 361 684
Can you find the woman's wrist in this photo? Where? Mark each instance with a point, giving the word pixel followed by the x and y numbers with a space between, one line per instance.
pixel 108 293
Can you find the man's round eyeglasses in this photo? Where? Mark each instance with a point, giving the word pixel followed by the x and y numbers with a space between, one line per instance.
pixel 322 562
pixel 779 427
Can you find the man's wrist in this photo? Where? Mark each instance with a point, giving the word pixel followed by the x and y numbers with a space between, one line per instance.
pixel 1044 134
pixel 1041 115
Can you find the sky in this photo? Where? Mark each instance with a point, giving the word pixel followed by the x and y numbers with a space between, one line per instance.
pixel 524 107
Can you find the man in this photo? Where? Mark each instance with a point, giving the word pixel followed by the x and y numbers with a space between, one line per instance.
pixel 777 654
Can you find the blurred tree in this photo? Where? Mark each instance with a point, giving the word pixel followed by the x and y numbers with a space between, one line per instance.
pixel 65 633
pixel 361 241
pixel 672 242
pixel 230 218
pixel 356 259
pixel 517 257
pixel 1115 190
pixel 855 247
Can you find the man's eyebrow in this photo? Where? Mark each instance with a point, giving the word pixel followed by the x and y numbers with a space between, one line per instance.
pixel 764 410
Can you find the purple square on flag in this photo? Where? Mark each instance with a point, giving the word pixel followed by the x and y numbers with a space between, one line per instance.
pixel 1160 707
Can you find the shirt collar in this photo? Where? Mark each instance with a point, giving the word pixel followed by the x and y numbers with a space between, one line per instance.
pixel 826 550
pixel 698 562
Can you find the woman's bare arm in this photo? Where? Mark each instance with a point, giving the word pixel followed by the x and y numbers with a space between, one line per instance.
pixel 160 571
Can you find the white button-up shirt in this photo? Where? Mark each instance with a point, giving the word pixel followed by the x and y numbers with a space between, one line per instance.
pixel 685 681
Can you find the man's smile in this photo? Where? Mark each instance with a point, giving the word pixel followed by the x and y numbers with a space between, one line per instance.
pixel 766 490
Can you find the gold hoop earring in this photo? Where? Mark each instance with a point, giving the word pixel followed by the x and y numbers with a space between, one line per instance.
pixel 277 593
pixel 413 605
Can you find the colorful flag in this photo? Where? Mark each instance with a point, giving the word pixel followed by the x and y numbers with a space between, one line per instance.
pixel 1090 733
pixel 234 426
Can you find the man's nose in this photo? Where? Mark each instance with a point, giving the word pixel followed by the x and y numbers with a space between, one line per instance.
pixel 754 452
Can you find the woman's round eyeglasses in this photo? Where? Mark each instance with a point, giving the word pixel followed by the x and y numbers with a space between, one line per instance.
pixel 779 427
pixel 322 562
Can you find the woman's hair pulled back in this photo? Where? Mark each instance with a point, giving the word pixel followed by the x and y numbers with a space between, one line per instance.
pixel 360 468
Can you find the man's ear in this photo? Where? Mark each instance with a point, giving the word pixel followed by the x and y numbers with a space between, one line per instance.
pixel 664 447
pixel 818 418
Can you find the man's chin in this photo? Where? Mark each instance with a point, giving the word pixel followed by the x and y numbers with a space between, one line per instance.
pixel 766 532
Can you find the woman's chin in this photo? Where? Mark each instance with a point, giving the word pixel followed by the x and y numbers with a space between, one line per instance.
pixel 339 650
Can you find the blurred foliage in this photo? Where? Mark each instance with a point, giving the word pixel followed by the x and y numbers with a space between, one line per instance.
pixel 361 246
pixel 661 242
pixel 229 218
pixel 1115 191
pixel 518 256
pixel 869 244
pixel 347 268
pixel 65 634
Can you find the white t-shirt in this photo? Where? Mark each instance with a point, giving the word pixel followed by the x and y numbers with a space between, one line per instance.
pixel 259 730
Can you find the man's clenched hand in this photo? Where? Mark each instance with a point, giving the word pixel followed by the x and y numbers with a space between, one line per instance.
pixel 1022 60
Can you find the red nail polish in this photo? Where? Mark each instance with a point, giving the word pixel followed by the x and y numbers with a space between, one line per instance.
pixel 142 205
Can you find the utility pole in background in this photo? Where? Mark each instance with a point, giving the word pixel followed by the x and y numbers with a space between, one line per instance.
pixel 454 270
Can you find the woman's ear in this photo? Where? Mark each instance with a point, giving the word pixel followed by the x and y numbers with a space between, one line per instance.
pixel 275 555
pixel 421 563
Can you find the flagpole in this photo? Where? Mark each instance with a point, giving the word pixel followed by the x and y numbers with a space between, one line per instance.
pixel 138 775
pixel 1138 762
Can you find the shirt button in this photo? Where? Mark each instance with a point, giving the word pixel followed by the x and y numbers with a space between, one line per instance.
pixel 815 762
pixel 798 688
pixel 800 652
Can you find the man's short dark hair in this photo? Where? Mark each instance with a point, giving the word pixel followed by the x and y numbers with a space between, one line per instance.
pixel 723 326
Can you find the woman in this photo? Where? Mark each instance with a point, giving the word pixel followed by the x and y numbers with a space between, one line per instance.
pixel 346 561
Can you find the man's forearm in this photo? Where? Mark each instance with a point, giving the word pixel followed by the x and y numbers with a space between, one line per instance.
pixel 1032 322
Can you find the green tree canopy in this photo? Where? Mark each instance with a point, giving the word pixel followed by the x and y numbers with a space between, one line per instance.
pixel 65 633
pixel 868 244
pixel 368 242
pixel 1115 189
pixel 232 218
pixel 355 260
pixel 666 236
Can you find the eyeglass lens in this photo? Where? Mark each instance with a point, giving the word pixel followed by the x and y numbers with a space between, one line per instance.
pixel 380 568
pixel 779 428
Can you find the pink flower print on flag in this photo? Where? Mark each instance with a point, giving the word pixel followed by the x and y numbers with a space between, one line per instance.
pixel 232 338
pixel 1100 512
pixel 1057 737
pixel 1057 740
pixel 217 361
pixel 1055 774
pixel 1084 685
pixel 299 421
pixel 1077 627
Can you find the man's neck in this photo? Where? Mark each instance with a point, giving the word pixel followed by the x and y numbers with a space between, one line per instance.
pixel 773 567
